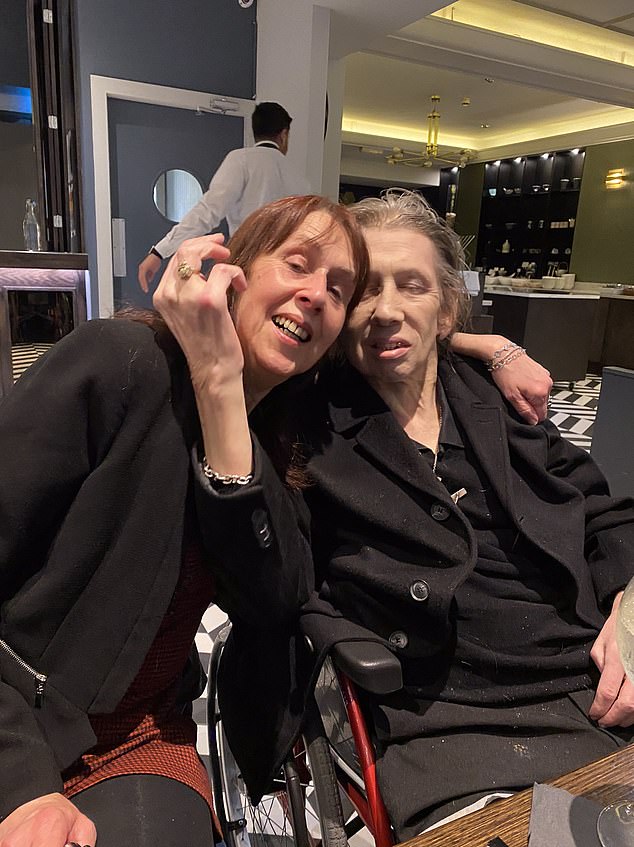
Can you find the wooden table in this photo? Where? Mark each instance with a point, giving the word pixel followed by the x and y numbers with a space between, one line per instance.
pixel 605 781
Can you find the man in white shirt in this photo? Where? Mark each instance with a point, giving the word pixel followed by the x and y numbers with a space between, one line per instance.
pixel 246 179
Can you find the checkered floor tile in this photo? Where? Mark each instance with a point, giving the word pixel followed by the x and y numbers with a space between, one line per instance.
pixel 573 410
pixel 23 355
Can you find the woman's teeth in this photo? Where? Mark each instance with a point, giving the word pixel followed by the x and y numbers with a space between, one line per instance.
pixel 290 328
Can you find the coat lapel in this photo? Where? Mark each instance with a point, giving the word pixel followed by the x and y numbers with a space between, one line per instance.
pixel 360 409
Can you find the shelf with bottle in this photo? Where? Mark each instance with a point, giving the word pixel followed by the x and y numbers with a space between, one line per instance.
pixel 31 228
pixel 531 201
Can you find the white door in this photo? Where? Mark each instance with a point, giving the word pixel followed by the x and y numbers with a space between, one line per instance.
pixel 141 132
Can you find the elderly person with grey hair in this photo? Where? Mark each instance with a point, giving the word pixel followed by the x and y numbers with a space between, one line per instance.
pixel 486 553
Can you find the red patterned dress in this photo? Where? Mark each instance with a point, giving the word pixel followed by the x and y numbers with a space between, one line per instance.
pixel 146 734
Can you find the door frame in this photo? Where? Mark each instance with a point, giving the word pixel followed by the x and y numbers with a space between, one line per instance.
pixel 101 89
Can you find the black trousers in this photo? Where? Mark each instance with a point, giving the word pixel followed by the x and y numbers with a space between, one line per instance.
pixel 436 758
pixel 146 811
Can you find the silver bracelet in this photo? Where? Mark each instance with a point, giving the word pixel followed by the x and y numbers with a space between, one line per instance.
pixel 225 479
pixel 515 354
pixel 508 348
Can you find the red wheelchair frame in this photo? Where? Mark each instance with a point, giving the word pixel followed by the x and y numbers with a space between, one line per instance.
pixel 369 806
pixel 328 768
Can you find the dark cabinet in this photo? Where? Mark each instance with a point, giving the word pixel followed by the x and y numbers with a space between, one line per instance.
pixel 528 213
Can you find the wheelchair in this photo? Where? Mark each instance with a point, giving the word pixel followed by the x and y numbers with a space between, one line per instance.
pixel 327 790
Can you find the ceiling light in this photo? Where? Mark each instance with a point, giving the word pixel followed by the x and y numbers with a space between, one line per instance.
pixel 466 101
pixel 518 160
pixel 545 155
pixel 497 163
pixel 484 126
pixel 454 170
pixel 489 79
pixel 431 154
pixel 575 152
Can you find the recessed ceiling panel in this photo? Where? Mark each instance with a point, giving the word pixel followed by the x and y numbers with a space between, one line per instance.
pixel 394 94
pixel 589 10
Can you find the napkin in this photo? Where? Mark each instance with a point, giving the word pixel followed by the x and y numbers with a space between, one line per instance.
pixel 559 819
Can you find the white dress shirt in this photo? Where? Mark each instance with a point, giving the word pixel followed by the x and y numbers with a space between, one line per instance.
pixel 246 179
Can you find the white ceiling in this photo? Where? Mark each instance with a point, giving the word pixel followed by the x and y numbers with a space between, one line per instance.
pixel 542 96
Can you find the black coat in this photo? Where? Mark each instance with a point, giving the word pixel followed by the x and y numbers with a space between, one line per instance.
pixel 378 526
pixel 95 472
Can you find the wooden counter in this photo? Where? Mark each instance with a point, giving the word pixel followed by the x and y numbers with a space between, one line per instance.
pixel 46 261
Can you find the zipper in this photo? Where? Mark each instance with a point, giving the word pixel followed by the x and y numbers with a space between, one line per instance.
pixel 38 678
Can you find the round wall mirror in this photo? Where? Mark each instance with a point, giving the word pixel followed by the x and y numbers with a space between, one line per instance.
pixel 175 192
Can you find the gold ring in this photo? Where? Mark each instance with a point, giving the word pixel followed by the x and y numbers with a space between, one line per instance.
pixel 184 270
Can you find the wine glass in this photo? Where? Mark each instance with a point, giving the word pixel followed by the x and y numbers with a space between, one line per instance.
pixel 615 825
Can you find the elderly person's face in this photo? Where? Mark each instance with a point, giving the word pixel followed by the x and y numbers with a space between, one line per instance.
pixel 391 335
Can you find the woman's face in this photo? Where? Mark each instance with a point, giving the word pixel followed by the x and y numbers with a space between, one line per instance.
pixel 295 303
pixel 391 335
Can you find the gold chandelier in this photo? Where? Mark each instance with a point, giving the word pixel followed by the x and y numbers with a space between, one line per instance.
pixel 413 159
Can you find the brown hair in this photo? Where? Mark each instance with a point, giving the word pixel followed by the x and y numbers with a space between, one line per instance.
pixel 266 228
pixel 398 208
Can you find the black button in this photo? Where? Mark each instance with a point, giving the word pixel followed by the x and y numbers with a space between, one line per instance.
pixel 399 639
pixel 419 590
pixel 439 512
pixel 260 523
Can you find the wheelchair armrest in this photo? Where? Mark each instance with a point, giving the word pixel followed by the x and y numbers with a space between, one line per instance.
pixel 369 665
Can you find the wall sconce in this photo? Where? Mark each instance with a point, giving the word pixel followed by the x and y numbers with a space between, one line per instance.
pixel 615 178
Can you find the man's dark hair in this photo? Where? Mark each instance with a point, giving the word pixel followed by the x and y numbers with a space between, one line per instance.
pixel 269 119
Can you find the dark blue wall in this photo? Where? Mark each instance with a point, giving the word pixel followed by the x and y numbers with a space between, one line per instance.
pixel 206 45
pixel 14 51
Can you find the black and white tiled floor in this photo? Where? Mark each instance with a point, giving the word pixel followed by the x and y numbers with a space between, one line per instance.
pixel 574 411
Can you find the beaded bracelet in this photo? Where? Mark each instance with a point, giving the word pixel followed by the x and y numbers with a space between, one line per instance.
pixel 515 354
pixel 225 479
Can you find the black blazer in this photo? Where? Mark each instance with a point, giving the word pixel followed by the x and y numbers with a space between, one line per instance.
pixel 95 472
pixel 378 528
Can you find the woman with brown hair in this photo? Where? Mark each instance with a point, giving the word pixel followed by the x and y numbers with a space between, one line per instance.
pixel 129 476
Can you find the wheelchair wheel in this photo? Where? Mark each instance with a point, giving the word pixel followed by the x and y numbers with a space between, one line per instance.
pixel 303 808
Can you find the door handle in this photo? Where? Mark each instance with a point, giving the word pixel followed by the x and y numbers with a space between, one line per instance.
pixel 118 247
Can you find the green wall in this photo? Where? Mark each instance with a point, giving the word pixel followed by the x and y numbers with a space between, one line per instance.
pixel 468 203
pixel 603 246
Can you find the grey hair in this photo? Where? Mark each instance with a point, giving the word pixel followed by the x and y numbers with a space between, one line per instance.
pixel 399 208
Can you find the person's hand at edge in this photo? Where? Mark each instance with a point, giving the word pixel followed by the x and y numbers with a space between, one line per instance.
pixel 48 821
pixel 148 269
pixel 613 704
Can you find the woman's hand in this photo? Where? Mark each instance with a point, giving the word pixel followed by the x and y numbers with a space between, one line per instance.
pixel 523 381
pixel 48 821
pixel 196 311
pixel 526 385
